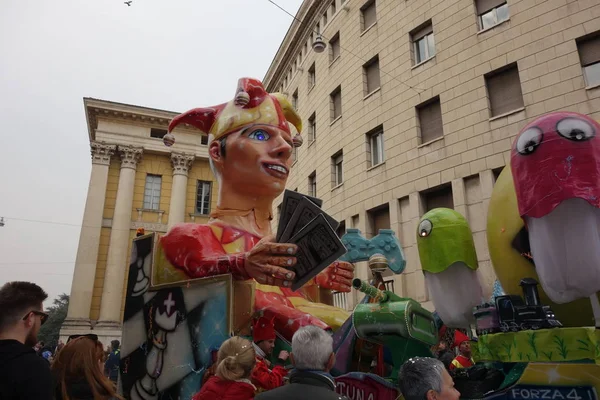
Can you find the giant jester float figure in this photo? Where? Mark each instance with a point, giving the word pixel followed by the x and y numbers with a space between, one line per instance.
pixel 191 288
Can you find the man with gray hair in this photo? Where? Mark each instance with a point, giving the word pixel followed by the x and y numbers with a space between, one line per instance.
pixel 312 356
pixel 423 378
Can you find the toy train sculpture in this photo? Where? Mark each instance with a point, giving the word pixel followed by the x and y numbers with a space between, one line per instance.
pixel 512 313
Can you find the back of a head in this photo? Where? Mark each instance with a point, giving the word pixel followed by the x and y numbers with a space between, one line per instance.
pixel 18 298
pixel 236 359
pixel 311 348
pixel 115 344
pixel 79 359
pixel 419 375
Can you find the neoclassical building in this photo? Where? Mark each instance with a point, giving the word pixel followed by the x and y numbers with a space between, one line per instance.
pixel 412 105
pixel 136 181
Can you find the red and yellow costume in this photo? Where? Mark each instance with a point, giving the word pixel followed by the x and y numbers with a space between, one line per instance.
pixel 262 377
pixel 461 361
pixel 218 248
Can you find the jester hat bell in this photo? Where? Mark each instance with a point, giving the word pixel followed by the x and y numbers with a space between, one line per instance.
pixel 263 329
pixel 251 105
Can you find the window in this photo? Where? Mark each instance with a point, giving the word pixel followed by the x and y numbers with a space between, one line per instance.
pixel 152 192
pixel 312 128
pixel 375 145
pixel 589 54
pixel 379 218
pixel 325 18
pixel 497 173
pixel 504 90
pixel 336 103
pixel 337 172
pixel 341 230
pixel 295 99
pixel 491 12
pixel 334 47
pixel 423 42
pixel 157 133
pixel 430 120
pixel 204 140
pixel 312 185
pixel 440 197
pixel 369 15
pixel 312 77
pixel 203 198
pixel 371 73
pixel 333 9
pixel 294 154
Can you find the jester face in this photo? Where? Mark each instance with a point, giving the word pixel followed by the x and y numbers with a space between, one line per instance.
pixel 449 262
pixel 555 165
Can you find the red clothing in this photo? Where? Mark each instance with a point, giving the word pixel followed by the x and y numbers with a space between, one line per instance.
pixel 461 362
pixel 266 379
pixel 216 249
pixel 219 389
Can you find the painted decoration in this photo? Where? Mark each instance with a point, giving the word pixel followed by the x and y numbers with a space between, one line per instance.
pixel 359 386
pixel 449 260
pixel 169 331
pixel 544 345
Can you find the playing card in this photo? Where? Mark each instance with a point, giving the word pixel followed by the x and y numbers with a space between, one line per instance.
pixel 318 246
pixel 291 199
pixel 305 212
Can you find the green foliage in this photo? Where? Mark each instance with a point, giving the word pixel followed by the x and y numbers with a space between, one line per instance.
pixel 57 313
pixel 531 341
pixel 561 346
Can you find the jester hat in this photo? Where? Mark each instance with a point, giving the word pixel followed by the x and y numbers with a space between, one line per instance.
pixel 251 105
pixel 263 329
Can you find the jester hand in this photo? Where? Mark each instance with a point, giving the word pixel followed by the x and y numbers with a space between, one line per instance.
pixel 267 262
pixel 338 276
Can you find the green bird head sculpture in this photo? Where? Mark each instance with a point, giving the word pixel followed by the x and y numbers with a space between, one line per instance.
pixel 449 262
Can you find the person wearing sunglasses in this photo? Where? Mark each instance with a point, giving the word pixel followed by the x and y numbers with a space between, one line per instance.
pixel 23 374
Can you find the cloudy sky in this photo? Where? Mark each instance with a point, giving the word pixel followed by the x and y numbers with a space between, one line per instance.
pixel 167 54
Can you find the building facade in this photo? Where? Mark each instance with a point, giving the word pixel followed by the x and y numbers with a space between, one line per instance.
pixel 415 105
pixel 136 182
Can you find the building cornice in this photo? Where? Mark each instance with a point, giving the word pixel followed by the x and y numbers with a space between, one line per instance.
pixel 295 38
pixel 96 109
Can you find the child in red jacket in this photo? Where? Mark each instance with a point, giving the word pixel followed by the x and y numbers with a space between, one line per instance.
pixel 232 379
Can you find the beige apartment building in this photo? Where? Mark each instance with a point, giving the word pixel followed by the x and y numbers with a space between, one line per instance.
pixel 414 105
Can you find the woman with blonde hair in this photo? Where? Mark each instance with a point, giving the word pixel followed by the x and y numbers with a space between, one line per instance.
pixel 231 381
pixel 78 370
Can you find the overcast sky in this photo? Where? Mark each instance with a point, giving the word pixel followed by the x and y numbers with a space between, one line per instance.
pixel 167 54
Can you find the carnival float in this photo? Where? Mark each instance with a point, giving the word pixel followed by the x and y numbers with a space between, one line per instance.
pixel 190 289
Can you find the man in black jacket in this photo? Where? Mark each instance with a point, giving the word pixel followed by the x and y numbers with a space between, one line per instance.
pixel 23 374
pixel 312 356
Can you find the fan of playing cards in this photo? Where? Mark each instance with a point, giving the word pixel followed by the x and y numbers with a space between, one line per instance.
pixel 303 223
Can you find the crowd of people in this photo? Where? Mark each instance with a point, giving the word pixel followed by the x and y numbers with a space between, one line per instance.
pixel 82 369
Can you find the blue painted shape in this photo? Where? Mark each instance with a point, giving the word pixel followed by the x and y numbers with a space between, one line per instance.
pixel 386 243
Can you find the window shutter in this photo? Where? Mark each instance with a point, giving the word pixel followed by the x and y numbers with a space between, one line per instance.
pixel 441 198
pixel 430 117
pixel 335 47
pixel 373 80
pixel 589 51
pixel 504 90
pixel 381 220
pixel 426 30
pixel 337 104
pixel 369 15
pixel 484 6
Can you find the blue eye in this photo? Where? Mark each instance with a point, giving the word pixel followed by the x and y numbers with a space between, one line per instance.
pixel 259 135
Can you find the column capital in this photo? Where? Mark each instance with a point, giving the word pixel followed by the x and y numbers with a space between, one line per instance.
pixel 102 152
pixel 130 156
pixel 181 163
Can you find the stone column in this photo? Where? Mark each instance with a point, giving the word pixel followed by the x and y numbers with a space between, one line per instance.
pixel 181 166
pixel 116 264
pixel 78 316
